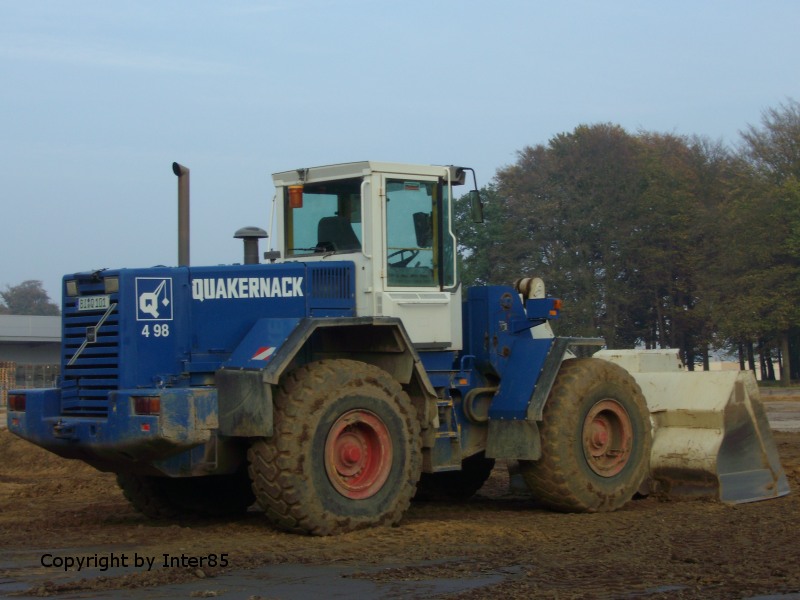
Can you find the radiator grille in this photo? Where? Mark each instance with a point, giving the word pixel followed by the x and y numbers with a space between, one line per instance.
pixel 90 363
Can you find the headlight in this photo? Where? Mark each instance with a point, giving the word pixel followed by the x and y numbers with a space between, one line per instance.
pixel 112 284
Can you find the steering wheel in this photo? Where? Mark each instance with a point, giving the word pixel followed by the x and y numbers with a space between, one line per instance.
pixel 403 261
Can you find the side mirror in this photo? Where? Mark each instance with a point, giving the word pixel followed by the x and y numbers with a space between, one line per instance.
pixel 475 206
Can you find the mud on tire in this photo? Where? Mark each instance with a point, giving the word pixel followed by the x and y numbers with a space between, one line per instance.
pixel 345 454
pixel 596 439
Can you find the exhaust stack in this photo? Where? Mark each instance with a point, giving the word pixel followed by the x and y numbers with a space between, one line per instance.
pixel 183 213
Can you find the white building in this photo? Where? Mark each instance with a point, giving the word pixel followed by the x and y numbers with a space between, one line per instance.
pixel 29 352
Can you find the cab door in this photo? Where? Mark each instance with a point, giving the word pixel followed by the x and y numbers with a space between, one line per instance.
pixel 418 277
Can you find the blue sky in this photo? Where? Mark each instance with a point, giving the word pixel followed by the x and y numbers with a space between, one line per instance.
pixel 98 98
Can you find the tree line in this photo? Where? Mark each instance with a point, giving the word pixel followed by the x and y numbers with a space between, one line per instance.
pixel 654 239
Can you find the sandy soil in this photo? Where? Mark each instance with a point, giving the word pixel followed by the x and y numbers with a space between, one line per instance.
pixel 52 509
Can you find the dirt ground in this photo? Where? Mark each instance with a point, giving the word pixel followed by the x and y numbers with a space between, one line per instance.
pixel 497 545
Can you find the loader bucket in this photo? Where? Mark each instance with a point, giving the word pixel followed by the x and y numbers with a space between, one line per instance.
pixel 711 437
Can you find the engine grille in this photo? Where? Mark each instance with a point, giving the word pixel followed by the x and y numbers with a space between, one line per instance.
pixel 330 283
pixel 90 369
pixel 331 289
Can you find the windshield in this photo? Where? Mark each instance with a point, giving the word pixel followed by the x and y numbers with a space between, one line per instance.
pixel 327 219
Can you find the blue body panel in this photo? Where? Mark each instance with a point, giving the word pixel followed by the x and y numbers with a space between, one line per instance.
pixel 261 343
pixel 439 366
pixel 499 343
pixel 520 375
pixel 164 332
pixel 188 419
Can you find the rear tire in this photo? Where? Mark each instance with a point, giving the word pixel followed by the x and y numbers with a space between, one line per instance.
pixel 345 454
pixel 147 496
pixel 163 498
pixel 456 485
pixel 596 439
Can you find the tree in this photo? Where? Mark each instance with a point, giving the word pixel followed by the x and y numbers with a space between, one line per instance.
pixel 481 246
pixel 27 298
pixel 654 239
pixel 773 149
pixel 563 206
pixel 762 282
pixel 608 219
pixel 617 225
pixel 676 243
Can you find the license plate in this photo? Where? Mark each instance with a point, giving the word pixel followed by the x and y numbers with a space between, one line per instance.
pixel 94 302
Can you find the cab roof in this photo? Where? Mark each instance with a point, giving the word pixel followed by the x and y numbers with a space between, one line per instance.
pixel 354 169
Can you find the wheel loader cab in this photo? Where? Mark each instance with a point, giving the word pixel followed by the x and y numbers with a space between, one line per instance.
pixel 394 222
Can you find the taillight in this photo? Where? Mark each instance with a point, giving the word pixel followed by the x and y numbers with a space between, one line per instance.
pixel 147 405
pixel 16 402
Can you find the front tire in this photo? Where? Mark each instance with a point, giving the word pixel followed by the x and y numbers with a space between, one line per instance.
pixel 345 454
pixel 596 439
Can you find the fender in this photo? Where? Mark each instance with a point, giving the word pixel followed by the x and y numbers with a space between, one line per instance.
pixel 518 438
pixel 273 346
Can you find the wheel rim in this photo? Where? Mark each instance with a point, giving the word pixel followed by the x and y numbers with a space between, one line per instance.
pixel 358 454
pixel 607 438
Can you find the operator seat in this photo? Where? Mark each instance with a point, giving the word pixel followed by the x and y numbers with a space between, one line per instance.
pixel 336 233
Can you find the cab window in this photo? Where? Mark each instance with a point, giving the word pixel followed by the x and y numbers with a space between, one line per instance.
pixel 325 218
pixel 411 256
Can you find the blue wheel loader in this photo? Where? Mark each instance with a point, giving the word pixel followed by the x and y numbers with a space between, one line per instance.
pixel 347 370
